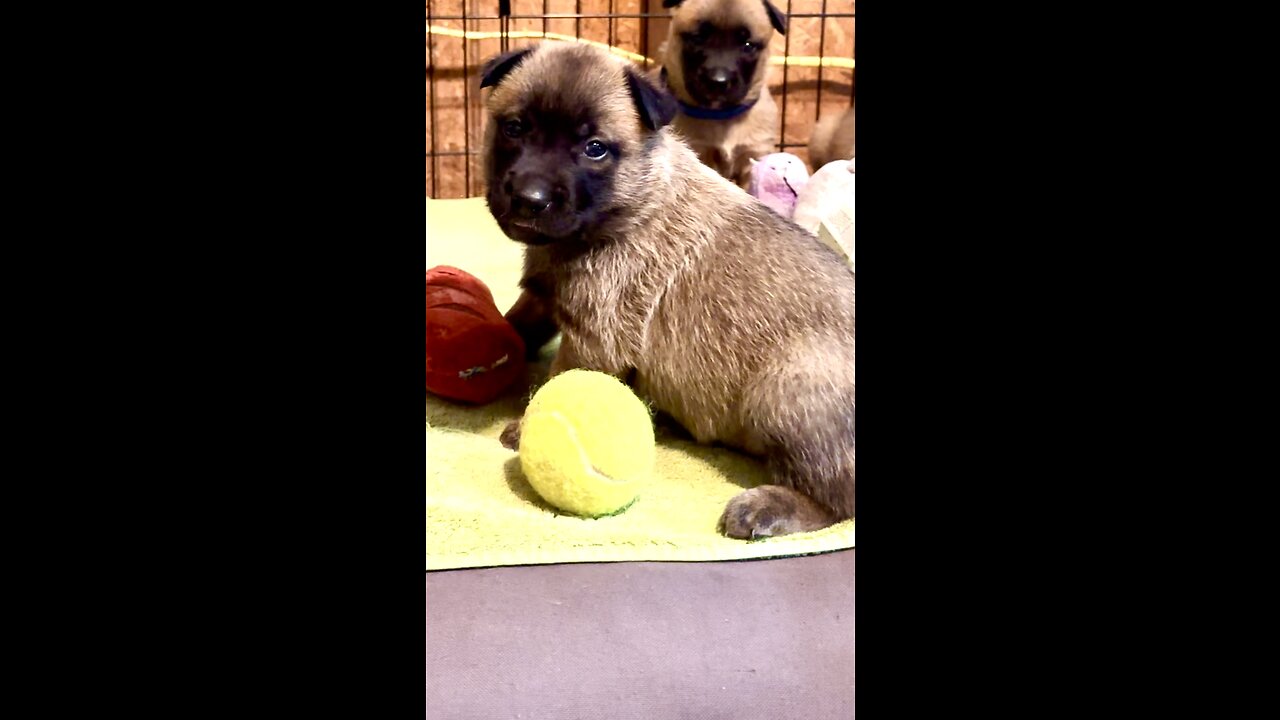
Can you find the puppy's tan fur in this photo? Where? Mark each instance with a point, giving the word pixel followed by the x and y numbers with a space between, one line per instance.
pixel 731 320
pixel 833 139
pixel 727 146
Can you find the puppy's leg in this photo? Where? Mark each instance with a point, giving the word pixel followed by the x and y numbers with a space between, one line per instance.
pixel 742 157
pixel 715 158
pixel 532 319
pixel 566 359
pixel 740 172
pixel 772 510
pixel 811 492
pixel 510 437
pixel 806 421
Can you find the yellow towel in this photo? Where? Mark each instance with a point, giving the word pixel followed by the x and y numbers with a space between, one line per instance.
pixel 481 512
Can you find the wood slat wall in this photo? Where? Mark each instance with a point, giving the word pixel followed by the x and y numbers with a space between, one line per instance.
pixel 454 111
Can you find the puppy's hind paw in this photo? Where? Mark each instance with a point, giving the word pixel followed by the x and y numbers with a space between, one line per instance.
pixel 770 511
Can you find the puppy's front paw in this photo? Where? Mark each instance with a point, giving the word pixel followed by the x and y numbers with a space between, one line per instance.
pixel 770 511
pixel 510 437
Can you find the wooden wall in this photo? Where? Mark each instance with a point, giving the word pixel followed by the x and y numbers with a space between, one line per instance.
pixel 453 64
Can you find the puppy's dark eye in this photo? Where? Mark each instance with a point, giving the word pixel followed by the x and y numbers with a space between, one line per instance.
pixel 595 150
pixel 748 45
pixel 513 128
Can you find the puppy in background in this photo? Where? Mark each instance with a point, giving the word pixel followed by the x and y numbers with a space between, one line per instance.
pixel 833 139
pixel 715 62
pixel 648 262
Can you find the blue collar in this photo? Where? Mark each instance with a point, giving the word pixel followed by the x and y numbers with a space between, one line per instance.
pixel 700 113
pixel 705 114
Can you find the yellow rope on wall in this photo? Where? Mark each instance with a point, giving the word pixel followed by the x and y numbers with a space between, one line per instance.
pixel 791 60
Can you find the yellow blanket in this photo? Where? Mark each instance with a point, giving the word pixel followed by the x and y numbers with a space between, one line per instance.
pixel 481 512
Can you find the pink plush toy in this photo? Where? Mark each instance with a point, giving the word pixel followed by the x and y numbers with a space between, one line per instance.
pixel 777 179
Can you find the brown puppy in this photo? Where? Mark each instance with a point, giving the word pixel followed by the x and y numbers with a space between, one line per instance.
pixel 715 61
pixel 721 314
pixel 833 139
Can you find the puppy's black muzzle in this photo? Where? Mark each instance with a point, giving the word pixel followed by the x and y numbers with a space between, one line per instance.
pixel 539 208
pixel 531 196
pixel 716 86
pixel 717 80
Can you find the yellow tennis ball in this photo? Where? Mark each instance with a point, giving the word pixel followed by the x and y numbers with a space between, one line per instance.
pixel 586 443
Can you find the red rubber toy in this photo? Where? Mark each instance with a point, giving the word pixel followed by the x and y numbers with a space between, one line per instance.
pixel 473 353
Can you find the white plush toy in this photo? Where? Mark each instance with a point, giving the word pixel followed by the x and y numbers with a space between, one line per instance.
pixel 825 207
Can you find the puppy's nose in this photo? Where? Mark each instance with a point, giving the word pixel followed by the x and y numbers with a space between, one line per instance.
pixel 718 77
pixel 532 195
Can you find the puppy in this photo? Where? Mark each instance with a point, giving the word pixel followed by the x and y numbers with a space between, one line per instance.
pixel 715 61
pixel 833 139
pixel 725 317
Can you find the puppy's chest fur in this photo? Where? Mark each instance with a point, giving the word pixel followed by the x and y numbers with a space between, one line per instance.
pixel 602 299
pixel 639 316
pixel 728 146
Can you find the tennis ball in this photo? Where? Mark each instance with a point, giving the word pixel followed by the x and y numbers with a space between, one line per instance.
pixel 586 443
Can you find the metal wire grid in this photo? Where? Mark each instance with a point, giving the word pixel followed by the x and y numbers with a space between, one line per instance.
pixel 504 18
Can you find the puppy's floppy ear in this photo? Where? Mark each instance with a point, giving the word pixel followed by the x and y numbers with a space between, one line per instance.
pixel 776 17
pixel 668 4
pixel 656 106
pixel 497 68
